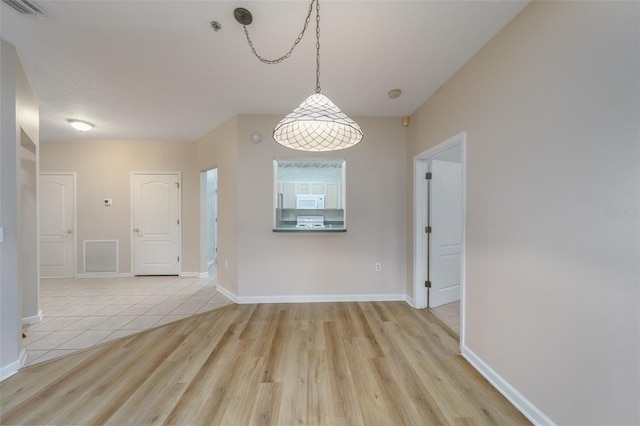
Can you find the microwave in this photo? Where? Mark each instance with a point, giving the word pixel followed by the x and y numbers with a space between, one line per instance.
pixel 310 201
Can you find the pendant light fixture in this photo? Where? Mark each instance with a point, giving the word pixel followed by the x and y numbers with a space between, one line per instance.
pixel 317 124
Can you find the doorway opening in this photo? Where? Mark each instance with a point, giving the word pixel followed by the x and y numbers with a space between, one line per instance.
pixel 28 270
pixel 209 221
pixel 439 237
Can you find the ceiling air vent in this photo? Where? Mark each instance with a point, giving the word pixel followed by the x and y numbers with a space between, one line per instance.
pixel 24 7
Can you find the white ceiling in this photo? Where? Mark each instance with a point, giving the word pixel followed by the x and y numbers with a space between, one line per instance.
pixel 155 70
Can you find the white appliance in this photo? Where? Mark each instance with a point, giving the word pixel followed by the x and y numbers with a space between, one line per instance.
pixel 310 201
pixel 310 222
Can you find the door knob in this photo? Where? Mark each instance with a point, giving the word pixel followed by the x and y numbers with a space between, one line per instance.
pixel 137 231
pixel 67 232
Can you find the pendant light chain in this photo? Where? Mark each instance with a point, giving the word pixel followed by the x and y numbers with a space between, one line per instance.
pixel 295 43
pixel 317 45
pixel 317 125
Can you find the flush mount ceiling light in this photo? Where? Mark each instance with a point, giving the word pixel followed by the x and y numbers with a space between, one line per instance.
pixel 317 124
pixel 83 126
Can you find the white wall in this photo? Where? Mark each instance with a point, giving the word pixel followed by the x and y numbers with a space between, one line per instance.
pixel 280 266
pixel 28 230
pixel 252 260
pixel 551 107
pixel 103 170
pixel 19 113
pixel 218 149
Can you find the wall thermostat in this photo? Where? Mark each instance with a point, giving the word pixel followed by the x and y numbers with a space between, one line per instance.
pixel 108 202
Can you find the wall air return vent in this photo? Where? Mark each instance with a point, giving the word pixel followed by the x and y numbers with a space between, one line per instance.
pixel 101 256
pixel 25 7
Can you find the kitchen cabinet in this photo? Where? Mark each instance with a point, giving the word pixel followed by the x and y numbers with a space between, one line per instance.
pixel 331 196
pixel 289 190
pixel 288 195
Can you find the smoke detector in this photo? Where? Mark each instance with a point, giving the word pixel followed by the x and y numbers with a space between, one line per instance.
pixel 395 93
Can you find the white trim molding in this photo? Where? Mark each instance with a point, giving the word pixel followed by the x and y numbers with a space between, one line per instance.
pixel 11 369
pixel 33 319
pixel 323 298
pixel 105 275
pixel 230 295
pixel 525 406
pixel 191 275
pixel 409 300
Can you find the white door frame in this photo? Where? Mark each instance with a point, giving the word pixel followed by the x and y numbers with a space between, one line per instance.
pixel 204 267
pixel 75 218
pixel 131 216
pixel 420 167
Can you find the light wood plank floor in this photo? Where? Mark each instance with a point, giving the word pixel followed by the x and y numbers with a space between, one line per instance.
pixel 317 364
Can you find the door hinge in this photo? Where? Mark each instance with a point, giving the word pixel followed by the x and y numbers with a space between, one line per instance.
pixel 178 185
pixel 427 284
pixel 178 258
pixel 428 176
pixel 427 229
pixel 178 221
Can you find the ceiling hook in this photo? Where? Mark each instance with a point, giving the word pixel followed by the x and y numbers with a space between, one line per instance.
pixel 243 16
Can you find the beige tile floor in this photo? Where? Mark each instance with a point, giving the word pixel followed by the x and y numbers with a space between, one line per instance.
pixel 450 315
pixel 79 313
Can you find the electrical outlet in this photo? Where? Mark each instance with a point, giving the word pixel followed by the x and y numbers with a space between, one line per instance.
pixel 378 267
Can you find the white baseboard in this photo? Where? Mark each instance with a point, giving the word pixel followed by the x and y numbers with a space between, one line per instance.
pixel 323 298
pixel 232 296
pixel 33 319
pixel 23 357
pixel 203 275
pixel 105 275
pixel 55 278
pixel 190 274
pixel 11 369
pixel 409 301
pixel 530 411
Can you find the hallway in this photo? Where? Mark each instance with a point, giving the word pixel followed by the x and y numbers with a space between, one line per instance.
pixel 79 313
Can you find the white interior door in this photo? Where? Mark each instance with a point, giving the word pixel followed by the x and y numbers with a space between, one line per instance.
pixel 156 224
pixel 446 232
pixel 57 223
pixel 212 217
